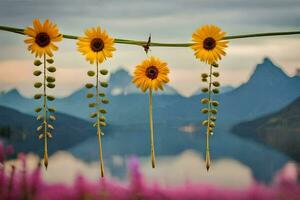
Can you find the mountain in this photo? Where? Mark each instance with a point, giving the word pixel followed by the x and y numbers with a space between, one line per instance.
pixel 121 85
pixel 223 89
pixel 13 99
pixel 268 90
pixel 281 130
pixel 20 130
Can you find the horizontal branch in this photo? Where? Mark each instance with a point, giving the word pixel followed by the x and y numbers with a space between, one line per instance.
pixel 158 44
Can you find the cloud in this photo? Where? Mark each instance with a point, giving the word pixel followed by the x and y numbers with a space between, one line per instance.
pixel 189 167
pixel 171 170
pixel 168 21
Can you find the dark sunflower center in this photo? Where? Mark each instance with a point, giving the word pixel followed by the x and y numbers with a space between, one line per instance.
pixel 97 45
pixel 152 72
pixel 209 43
pixel 42 39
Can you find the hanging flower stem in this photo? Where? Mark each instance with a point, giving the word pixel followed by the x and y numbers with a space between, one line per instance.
pixel 211 110
pixel 151 129
pixel 98 122
pixel 207 149
pixel 45 115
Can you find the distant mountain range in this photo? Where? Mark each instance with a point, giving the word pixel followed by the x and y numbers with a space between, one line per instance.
pixel 268 90
pixel 19 129
pixel 280 130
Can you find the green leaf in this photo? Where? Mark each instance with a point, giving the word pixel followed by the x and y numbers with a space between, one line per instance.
pixel 50 98
pixel 216 90
pixel 52 110
pixel 91 73
pixel 39 117
pixel 37 96
pixel 105 101
pixel 92 105
pixel 52 118
pixel 104 84
pixel 215 103
pixel 37 84
pixel 103 111
pixel 89 95
pixel 102 119
pixel 104 71
pixel 216 74
pixel 89 85
pixel 215 65
pixel 204 80
pixel 93 115
pixel 50 126
pixel 213 118
pixel 204 110
pixel 49 135
pixel 102 124
pixel 101 94
pixel 204 100
pixel 204 90
pixel 204 75
pixel 212 124
pixel 38 109
pixel 214 111
pixel 41 136
pixel 37 63
pixel 37 72
pixel 216 84
pixel 50 79
pixel 205 123
pixel 51 85
pixel 51 69
pixel 50 61
pixel 39 128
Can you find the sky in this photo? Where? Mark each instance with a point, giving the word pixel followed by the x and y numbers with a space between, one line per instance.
pixel 167 21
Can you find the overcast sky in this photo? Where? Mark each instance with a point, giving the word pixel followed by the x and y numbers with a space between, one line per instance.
pixel 167 21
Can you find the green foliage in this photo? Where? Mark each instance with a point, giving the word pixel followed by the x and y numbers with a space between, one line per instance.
pixel 38 109
pixel 89 95
pixel 105 101
pixel 37 72
pixel 37 63
pixel 91 73
pixel 51 69
pixel 50 61
pixel 50 98
pixel 37 96
pixel 50 79
pixel 104 84
pixel 52 110
pixel 103 71
pixel 216 91
pixel 92 105
pixel 89 85
pixel 37 84
pixel 204 90
pixel 103 111
pixel 93 115
pixel 51 85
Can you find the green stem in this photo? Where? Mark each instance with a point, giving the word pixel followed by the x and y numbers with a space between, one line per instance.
pixel 207 152
pixel 159 44
pixel 45 117
pixel 98 123
pixel 151 129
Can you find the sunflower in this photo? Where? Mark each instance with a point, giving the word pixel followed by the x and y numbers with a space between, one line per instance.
pixel 41 38
pixel 96 45
pixel 209 43
pixel 151 73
